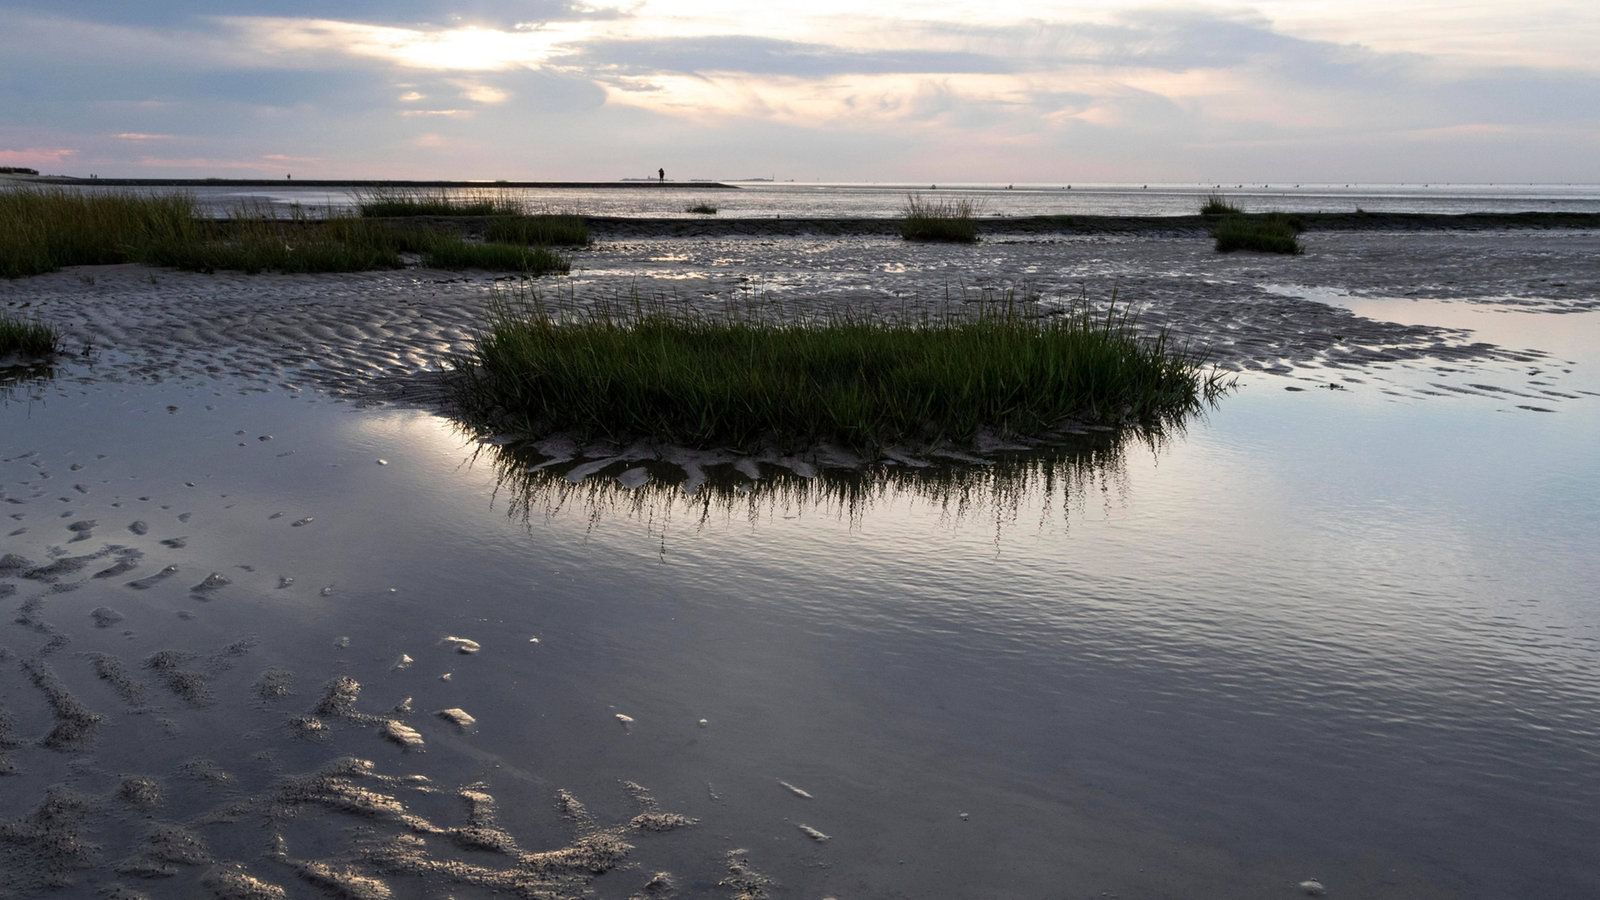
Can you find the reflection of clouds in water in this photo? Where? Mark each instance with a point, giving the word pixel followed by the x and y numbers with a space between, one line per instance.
pixel 539 480
pixel 1557 338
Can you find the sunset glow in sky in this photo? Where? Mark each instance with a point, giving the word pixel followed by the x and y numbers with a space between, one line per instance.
pixel 942 90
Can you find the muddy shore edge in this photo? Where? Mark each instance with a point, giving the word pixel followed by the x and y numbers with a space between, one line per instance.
pixel 625 227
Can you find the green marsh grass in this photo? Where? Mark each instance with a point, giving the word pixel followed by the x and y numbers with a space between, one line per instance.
pixel 454 253
pixel 289 246
pixel 399 202
pixel 1218 205
pixel 1266 233
pixel 44 229
pixel 549 230
pixel 939 220
pixel 748 379
pixel 27 338
pixel 702 208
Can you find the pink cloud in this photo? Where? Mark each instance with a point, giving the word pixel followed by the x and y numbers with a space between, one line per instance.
pixel 195 162
pixel 36 155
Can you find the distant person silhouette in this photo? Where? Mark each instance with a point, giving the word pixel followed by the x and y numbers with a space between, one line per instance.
pixel 662 174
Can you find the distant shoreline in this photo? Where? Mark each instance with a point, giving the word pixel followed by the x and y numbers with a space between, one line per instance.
pixel 364 183
pixel 1002 226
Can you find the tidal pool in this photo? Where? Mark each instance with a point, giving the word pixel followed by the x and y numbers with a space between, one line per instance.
pixel 1345 635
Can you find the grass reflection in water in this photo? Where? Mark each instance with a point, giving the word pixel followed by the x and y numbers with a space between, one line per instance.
pixel 546 481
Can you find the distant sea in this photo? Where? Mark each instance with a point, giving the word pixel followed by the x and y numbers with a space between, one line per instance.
pixel 818 200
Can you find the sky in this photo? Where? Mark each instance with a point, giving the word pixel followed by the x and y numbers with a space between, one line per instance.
pixel 823 90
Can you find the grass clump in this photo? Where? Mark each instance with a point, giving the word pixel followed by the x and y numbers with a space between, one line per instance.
pixel 42 230
pixel 939 220
pixel 701 207
pixel 1269 233
pixel 540 230
pixel 399 202
pixel 453 253
pixel 27 338
pixel 747 380
pixel 1218 205
pixel 266 245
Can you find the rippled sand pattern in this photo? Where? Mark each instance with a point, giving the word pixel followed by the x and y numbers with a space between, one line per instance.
pixel 380 334
pixel 105 790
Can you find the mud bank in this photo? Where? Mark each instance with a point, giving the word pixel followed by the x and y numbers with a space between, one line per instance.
pixel 1143 226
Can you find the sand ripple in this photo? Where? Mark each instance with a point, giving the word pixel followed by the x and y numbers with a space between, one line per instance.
pixel 380 335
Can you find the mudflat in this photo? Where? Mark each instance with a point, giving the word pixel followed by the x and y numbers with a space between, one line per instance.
pixel 279 626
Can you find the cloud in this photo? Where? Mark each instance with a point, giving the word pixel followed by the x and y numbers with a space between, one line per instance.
pixel 1171 40
pixel 1017 90
pixel 204 163
pixel 466 48
pixel 768 56
pixel 1523 96
pixel 481 93
pixel 36 155
pixel 168 13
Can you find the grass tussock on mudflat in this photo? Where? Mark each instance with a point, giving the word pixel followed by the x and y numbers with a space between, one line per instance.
pixel 744 379
pixel 42 230
pixel 1218 205
pixel 542 230
pixel 253 246
pixel 402 202
pixel 454 253
pixel 27 338
pixel 939 220
pixel 701 208
pixel 1268 233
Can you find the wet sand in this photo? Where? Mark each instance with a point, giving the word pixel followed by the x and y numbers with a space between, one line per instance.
pixel 1002 228
pixel 360 334
pixel 272 632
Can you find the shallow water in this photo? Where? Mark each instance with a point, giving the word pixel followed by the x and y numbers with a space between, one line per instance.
pixel 1346 635
pixel 756 199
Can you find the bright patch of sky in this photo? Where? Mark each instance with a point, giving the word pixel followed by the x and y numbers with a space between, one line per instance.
pixel 937 90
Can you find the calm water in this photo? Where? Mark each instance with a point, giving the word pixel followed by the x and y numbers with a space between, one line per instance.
pixel 885 200
pixel 1321 634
